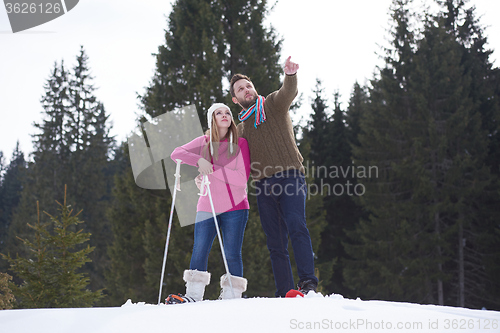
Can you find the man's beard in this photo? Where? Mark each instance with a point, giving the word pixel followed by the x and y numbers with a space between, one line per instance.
pixel 246 104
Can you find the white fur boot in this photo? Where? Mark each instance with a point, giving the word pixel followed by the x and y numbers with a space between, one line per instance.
pixel 195 283
pixel 239 286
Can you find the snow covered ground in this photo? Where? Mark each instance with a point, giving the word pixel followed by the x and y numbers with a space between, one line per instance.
pixel 313 313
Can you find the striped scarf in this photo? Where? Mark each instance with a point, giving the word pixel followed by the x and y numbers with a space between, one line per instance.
pixel 258 109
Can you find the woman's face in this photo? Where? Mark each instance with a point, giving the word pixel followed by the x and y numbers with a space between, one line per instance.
pixel 223 118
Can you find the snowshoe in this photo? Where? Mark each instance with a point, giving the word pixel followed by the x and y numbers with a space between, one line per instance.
pixel 307 285
pixel 292 293
pixel 178 299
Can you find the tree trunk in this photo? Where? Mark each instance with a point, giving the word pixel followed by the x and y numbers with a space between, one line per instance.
pixel 440 264
pixel 461 269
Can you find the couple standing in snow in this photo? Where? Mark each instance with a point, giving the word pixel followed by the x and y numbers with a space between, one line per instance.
pixel 265 140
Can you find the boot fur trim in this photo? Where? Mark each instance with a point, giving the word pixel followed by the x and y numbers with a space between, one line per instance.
pixel 196 276
pixel 239 283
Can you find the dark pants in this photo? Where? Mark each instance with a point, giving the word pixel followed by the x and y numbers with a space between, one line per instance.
pixel 281 201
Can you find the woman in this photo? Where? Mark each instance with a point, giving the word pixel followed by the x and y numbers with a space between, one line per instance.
pixel 225 158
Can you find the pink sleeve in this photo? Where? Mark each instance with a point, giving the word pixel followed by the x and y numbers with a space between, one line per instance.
pixel 191 152
pixel 245 152
pixel 238 171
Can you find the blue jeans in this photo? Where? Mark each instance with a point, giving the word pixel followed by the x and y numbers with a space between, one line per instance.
pixel 232 227
pixel 281 200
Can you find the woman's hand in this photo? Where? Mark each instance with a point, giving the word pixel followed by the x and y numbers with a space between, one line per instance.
pixel 198 181
pixel 205 167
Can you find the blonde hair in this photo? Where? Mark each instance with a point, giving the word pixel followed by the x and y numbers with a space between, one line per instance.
pixel 216 139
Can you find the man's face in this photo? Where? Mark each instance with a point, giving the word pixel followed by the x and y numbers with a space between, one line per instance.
pixel 245 93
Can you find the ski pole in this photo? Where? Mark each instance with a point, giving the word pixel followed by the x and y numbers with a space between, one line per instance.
pixel 177 176
pixel 206 182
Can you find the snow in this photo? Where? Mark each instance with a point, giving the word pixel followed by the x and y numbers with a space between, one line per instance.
pixel 311 313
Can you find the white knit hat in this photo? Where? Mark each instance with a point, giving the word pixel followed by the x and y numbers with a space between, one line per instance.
pixel 210 113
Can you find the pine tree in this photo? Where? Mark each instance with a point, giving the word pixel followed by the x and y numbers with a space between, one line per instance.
pixel 139 225
pixel 88 132
pixel 3 229
pixel 358 105
pixel 50 275
pixel 342 211
pixel 253 49
pixel 257 267
pixel 355 111
pixel 2 166
pixel 51 148
pixel 454 132
pixel 317 129
pixel 10 191
pixel 131 208
pixel 6 296
pixel 190 64
pixel 71 147
pixel 315 147
pixel 203 51
pixel 478 240
pixel 47 174
pixel 316 220
pixel 423 132
pixel 382 244
pixel 332 168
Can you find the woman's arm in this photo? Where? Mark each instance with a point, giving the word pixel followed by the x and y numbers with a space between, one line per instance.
pixel 191 152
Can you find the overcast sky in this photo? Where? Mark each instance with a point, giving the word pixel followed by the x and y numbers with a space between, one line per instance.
pixel 336 41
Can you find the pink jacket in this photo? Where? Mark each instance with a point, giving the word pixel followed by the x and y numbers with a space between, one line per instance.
pixel 228 182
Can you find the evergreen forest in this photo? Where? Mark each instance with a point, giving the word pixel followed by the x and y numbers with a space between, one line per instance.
pixel 403 181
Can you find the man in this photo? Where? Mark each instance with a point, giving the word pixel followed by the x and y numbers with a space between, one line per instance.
pixel 276 167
